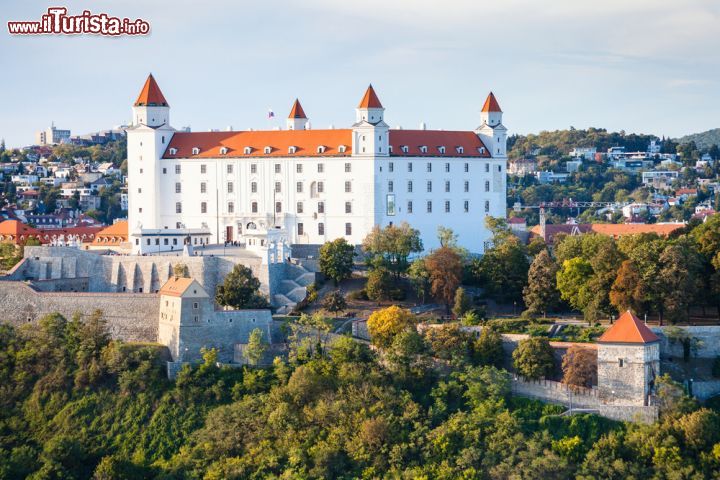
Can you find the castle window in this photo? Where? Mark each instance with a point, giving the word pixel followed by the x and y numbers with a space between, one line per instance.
pixel 321 149
pixel 348 187
pixel 195 151
pixel 428 167
pixel 447 167
pixel 299 187
pixel 342 148
pixel 391 167
pixel 223 150
pixel 348 229
pixel 196 319
pixel 177 169
pixel 254 207
pixel 229 168
pixel 203 169
pixel 253 187
pixel 621 362
pixel 404 148
pixel 196 305
pixel 447 186
pixel 267 150
pixel 467 167
pixel 409 186
pixel 499 168
pixel 164 171
pixel 278 207
pixel 321 207
pixel 442 150
pixel 481 149
pixel 389 148
pixel 348 167
pixel 487 186
pixel 348 207
pixel 277 167
pixel 203 207
pixel 487 167
pixel 321 229
pixel 487 206
pixel 410 167
pixel 230 187
pixel 299 208
pixel 423 148
pixel 253 168
pixel 390 186
pixel 247 150
pixel 178 207
pixel 203 187
pixel 466 206
pixel 178 187
pixel 429 186
pixel 467 186
pixel 292 150
pixel 429 206
pixel 173 151
pixel 459 150
pixel 278 187
pixel 165 241
pixel 409 206
pixel 300 229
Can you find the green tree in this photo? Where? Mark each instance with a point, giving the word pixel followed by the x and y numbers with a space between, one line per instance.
pixel 240 290
pixel 255 348
pixel 628 289
pixel 489 348
pixel 181 270
pixel 336 259
pixel 379 285
pixel 533 358
pixel 334 302
pixel 419 276
pixel 572 282
pixel 462 304
pixel 679 280
pixel 541 294
pixel 391 246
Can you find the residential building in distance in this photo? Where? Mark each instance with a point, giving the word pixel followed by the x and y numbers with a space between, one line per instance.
pixel 310 186
pixel 52 136
pixel 585 153
pixel 522 167
pixel 546 177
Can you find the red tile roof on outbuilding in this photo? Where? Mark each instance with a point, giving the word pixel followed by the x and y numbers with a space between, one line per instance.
pixel 628 329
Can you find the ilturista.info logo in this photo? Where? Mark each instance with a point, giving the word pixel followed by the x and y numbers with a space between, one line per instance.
pixel 57 22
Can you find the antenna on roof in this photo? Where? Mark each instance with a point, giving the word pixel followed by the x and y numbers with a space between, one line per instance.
pixel 423 126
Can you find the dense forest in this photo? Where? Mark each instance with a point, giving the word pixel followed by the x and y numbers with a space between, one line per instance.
pixel 76 405
pixel 703 140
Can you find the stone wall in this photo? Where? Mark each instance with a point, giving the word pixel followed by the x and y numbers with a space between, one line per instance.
pixel 131 317
pixel 706 390
pixel 709 336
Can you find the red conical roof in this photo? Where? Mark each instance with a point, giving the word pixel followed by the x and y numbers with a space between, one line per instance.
pixel 297 110
pixel 370 99
pixel 491 104
pixel 628 329
pixel 150 95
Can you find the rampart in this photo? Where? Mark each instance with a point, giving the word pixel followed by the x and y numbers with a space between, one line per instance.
pixel 131 317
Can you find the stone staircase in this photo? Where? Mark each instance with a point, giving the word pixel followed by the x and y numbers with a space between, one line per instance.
pixel 293 289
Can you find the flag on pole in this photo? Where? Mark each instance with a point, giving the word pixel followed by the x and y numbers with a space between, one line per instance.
pixel 271 114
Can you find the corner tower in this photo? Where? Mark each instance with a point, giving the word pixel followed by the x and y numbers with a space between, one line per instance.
pixel 297 120
pixel 370 132
pixel 628 362
pixel 491 131
pixel 147 140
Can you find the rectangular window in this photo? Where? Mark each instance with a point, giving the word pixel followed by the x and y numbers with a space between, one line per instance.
pixel 467 186
pixel 429 167
pixel 487 186
pixel 299 187
pixel 178 207
pixel 230 187
pixel 409 206
pixel 390 186
pixel 348 229
pixel 301 229
pixel 298 168
pixel 348 207
pixel 229 168
pixel 429 186
pixel 447 206
pixel 447 186
pixel 321 228
pixel 278 207
pixel 277 168
pixel 178 187
pixel 321 207
pixel 487 206
pixel 487 167
pixel 196 305
pixel 348 187
pixel 203 207
pixel 253 168
pixel 320 187
pixel 391 167
pixel 177 169
pixel 410 167
pixel 390 205
pixel 447 167
pixel 321 167
pixel 164 171
pixel 299 208
pixel 429 206
pixel 254 207
pixel 499 168
pixel 278 187
pixel 253 187
pixel 203 187
pixel 621 362
pixel 467 167
pixel 409 186
pixel 466 206
pixel 348 167
pixel 231 207
pixel 203 169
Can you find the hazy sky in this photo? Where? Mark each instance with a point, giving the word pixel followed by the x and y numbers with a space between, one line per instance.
pixel 650 66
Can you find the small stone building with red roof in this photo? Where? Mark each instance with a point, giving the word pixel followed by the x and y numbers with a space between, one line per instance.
pixel 628 362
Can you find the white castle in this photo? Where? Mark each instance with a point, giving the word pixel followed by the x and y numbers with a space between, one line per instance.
pixel 306 186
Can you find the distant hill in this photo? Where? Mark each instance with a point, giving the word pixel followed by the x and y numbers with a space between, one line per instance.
pixel 703 140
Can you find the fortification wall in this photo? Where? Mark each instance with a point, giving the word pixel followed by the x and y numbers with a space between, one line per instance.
pixel 130 317
pixel 709 337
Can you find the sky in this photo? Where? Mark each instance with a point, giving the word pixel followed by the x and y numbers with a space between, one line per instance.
pixel 645 66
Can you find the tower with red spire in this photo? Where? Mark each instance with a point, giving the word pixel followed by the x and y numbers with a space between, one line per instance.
pixel 370 132
pixel 491 130
pixel 297 120
pixel 151 108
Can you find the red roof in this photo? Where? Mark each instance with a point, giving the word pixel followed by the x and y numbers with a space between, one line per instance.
pixel 491 104
pixel 176 286
pixel 114 234
pixel 628 329
pixel 150 95
pixel 16 228
pixel 686 191
pixel 307 143
pixel 297 110
pixel 610 229
pixel 516 220
pixel 370 99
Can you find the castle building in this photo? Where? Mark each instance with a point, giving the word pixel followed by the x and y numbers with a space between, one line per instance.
pixel 628 362
pixel 310 185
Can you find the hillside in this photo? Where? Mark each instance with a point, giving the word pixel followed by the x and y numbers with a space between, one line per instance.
pixel 703 140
